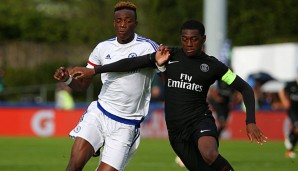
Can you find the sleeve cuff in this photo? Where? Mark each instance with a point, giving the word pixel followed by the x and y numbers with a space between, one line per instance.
pixel 161 68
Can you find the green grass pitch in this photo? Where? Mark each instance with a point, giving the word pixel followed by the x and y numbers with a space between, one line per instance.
pixel 48 154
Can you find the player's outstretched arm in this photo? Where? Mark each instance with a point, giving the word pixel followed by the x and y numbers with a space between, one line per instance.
pixel 82 72
pixel 253 132
pixel 124 65
pixel 129 64
pixel 62 74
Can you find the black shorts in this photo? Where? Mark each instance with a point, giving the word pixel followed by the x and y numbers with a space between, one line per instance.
pixel 186 146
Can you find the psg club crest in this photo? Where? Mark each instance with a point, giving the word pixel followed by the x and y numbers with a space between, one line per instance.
pixel 204 68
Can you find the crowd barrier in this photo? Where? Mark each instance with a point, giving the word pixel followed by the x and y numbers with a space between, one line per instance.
pixel 50 122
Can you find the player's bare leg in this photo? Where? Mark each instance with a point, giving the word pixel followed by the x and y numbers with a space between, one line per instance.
pixel 209 150
pixel 81 152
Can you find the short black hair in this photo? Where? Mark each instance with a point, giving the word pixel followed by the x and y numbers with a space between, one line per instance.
pixel 193 24
pixel 126 5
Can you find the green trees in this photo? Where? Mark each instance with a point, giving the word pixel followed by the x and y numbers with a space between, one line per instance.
pixel 24 20
pixel 88 21
pixel 262 22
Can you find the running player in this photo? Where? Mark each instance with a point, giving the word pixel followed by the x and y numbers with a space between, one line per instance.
pixel 219 97
pixel 189 73
pixel 289 98
pixel 114 119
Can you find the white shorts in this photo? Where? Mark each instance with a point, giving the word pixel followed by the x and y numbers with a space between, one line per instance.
pixel 120 140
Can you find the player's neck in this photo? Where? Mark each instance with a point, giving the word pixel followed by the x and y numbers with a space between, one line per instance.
pixel 125 41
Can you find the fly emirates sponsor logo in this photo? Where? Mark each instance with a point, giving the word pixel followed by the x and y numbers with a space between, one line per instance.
pixel 185 83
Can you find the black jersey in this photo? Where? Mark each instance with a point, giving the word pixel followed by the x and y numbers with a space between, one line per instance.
pixel 187 83
pixel 291 89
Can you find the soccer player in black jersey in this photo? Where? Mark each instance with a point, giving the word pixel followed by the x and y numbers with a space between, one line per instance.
pixel 289 97
pixel 189 73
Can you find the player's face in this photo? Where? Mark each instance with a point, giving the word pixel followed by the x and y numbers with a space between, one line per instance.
pixel 125 24
pixel 192 41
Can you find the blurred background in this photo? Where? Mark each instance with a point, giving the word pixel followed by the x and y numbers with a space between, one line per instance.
pixel 257 40
pixel 37 36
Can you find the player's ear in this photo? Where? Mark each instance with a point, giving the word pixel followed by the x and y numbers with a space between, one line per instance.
pixel 203 39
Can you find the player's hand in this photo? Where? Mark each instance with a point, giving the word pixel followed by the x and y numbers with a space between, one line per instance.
pixel 162 55
pixel 82 72
pixel 61 74
pixel 254 134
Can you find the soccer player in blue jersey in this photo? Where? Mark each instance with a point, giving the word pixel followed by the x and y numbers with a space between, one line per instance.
pixel 114 119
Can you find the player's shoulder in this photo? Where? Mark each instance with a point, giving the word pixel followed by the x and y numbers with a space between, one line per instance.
pixel 216 62
pixel 211 58
pixel 140 38
pixel 208 59
pixel 146 41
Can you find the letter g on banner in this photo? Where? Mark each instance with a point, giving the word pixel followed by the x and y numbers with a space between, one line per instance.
pixel 42 123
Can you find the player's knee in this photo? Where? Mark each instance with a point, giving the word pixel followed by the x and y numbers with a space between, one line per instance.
pixel 208 149
pixel 209 155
